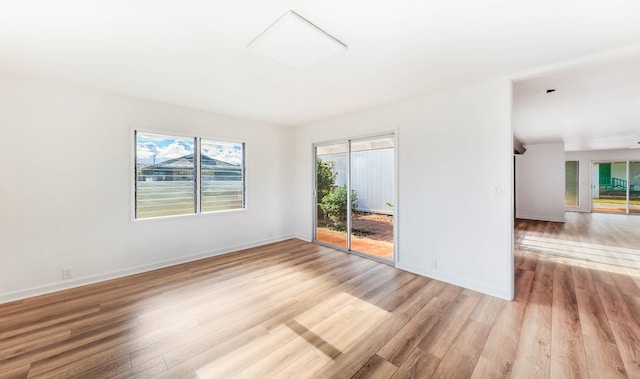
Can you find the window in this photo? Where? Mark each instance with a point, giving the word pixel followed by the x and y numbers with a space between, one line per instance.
pixel 221 175
pixel 176 175
pixel 571 183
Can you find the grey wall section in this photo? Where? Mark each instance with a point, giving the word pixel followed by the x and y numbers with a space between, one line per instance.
pixel 372 177
pixel 540 182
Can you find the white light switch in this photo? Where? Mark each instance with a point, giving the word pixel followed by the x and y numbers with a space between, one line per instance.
pixel 497 191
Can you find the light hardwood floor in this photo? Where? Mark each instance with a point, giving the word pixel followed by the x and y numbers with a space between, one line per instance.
pixel 299 310
pixel 590 238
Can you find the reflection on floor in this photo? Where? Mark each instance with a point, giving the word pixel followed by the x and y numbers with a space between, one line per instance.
pixel 595 240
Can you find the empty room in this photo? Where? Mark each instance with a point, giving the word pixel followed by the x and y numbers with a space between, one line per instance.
pixel 298 189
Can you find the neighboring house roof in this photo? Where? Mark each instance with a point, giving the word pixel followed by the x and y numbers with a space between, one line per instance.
pixel 186 162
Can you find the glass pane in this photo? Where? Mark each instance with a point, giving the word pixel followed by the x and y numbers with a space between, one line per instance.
pixel 221 175
pixel 165 175
pixel 571 184
pixel 372 178
pixel 634 187
pixel 611 195
pixel 331 190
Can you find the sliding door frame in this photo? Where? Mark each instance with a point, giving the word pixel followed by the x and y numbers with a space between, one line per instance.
pixel 596 182
pixel 348 140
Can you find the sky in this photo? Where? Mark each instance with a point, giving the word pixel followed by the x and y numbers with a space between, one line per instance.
pixel 164 147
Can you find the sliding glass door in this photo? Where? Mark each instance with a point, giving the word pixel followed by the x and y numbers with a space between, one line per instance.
pixel 355 196
pixel 331 197
pixel 616 187
pixel 372 183
pixel 634 187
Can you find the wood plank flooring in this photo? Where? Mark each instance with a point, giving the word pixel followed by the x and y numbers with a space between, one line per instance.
pixel 298 310
pixel 596 238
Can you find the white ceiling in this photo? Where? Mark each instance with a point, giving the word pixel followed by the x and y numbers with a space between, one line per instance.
pixel 596 104
pixel 193 52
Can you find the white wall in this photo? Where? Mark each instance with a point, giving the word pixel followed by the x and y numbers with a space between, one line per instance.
pixel 540 182
pixel 452 148
pixel 65 192
pixel 586 158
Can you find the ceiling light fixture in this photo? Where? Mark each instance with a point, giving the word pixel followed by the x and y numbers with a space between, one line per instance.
pixel 296 42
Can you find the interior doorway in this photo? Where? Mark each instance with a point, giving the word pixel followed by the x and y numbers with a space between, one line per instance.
pixel 355 196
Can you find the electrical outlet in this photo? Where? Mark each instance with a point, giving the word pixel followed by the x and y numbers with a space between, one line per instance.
pixel 67 273
pixel 434 264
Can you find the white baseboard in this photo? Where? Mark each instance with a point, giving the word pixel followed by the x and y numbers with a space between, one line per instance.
pixel 457 281
pixel 305 238
pixel 73 283
pixel 541 218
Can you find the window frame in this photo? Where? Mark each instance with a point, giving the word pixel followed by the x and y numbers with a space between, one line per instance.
pixel 197 152
pixel 200 181
pixel 577 183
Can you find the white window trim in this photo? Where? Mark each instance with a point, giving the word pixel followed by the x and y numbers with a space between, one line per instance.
pixel 198 137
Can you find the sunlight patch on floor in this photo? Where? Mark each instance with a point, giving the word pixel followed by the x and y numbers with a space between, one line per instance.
pixel 306 343
pixel 612 259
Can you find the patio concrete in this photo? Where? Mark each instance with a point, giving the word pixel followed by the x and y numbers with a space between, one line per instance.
pixel 367 245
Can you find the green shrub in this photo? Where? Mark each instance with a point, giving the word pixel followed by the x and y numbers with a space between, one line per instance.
pixel 325 179
pixel 334 205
